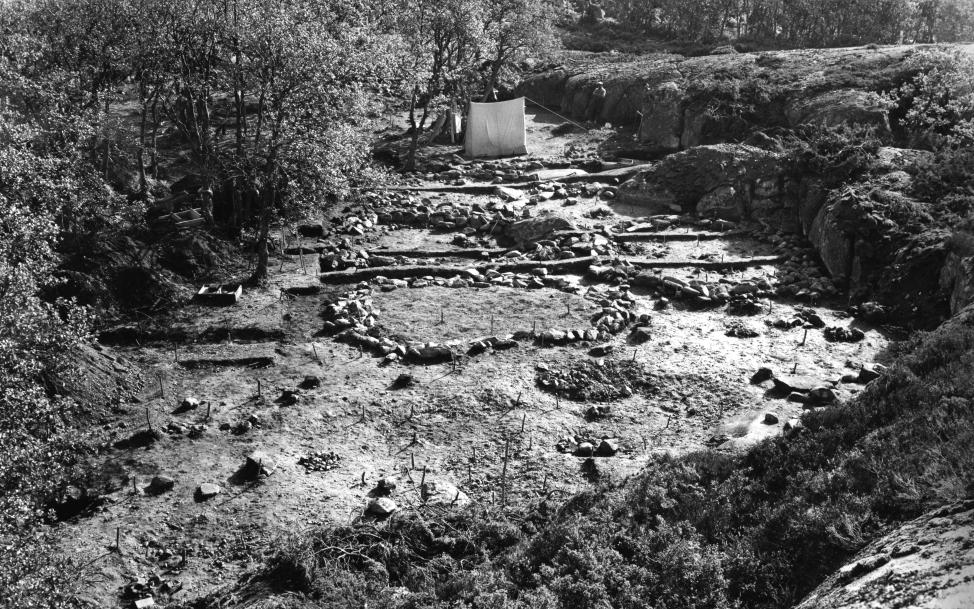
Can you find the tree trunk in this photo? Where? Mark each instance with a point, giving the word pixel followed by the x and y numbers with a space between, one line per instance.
pixel 108 142
pixel 143 183
pixel 155 137
pixel 410 164
pixel 266 205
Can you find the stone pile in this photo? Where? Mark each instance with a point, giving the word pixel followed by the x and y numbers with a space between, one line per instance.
pixel 359 223
pixel 584 446
pixel 597 380
pixel 320 461
pixel 801 274
pixel 844 335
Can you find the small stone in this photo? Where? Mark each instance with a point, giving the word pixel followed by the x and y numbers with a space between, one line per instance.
pixel 870 372
pixel 821 396
pixel 207 490
pixel 585 449
pixel 763 374
pixel 310 382
pixel 189 403
pixel 641 335
pixel 289 397
pixel 144 603
pixel 794 396
pixel 600 350
pixel 382 507
pixel 259 464
pixel 387 484
pixel 607 448
pixel 159 485
pixel 770 418
pixel 403 380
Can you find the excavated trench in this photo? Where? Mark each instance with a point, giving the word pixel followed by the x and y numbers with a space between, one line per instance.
pixel 419 359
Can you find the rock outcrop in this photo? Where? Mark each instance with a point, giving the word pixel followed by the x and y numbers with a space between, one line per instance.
pixel 872 235
pixel 957 276
pixel 680 102
pixel 925 563
pixel 729 181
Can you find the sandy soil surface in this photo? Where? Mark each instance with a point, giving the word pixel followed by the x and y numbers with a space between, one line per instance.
pixel 452 425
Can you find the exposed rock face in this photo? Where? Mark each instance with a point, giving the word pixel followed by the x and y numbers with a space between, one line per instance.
pixel 957 276
pixel 681 102
pixel 925 563
pixel 661 128
pixel 872 235
pixel 843 106
pixel 725 180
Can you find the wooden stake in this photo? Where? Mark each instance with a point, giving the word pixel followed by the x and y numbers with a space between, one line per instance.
pixel 162 388
pixel 118 539
pixel 207 412
pixel 258 387
pixel 634 354
pixel 804 338
pixel 507 453
pixel 524 418
pixel 412 460
pixel 148 421
pixel 794 368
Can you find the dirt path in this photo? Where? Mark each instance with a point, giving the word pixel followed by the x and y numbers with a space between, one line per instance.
pixel 689 384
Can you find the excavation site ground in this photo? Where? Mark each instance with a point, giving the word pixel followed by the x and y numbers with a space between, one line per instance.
pixel 467 334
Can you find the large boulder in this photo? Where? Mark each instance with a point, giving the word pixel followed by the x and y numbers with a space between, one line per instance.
pixel 723 180
pixel 661 127
pixel 527 231
pixel 833 244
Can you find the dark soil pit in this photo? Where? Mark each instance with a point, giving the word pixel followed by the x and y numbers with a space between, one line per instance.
pixel 416 314
pixel 588 381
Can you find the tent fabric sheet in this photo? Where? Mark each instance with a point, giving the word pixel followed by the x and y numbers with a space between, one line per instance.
pixel 495 129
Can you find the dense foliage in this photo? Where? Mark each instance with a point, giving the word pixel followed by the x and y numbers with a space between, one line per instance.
pixel 43 181
pixel 804 23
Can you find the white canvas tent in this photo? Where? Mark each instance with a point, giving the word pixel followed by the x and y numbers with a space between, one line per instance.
pixel 495 129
